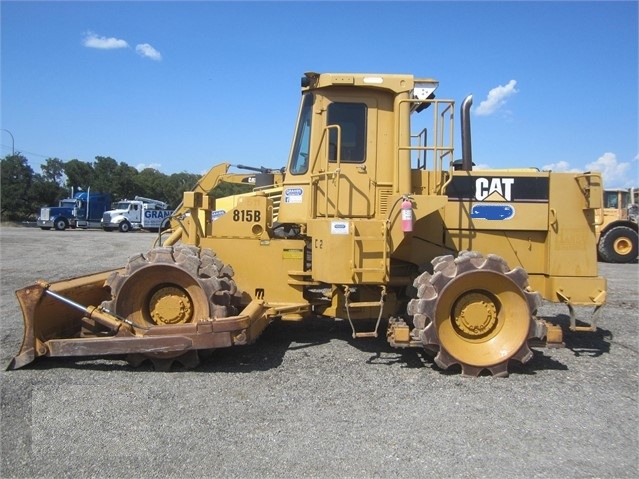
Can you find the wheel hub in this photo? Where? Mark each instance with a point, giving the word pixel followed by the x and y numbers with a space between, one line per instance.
pixel 475 315
pixel 170 305
pixel 623 246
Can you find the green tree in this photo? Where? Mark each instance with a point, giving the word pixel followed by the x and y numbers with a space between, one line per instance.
pixel 105 172
pixel 124 182
pixel 228 189
pixel 178 183
pixel 16 178
pixel 80 174
pixel 24 192
pixel 153 184
pixel 48 187
pixel 53 171
pixel 45 192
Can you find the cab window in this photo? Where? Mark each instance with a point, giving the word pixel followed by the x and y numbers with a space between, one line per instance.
pixel 302 143
pixel 351 119
pixel 610 199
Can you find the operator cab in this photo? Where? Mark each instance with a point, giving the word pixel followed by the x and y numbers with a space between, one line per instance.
pixel 344 160
pixel 616 198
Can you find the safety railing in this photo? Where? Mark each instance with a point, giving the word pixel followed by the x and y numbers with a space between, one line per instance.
pixel 432 148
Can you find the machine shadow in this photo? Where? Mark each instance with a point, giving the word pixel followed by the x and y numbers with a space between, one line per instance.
pixel 281 338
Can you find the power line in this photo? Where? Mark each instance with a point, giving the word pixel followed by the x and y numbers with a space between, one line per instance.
pixel 30 154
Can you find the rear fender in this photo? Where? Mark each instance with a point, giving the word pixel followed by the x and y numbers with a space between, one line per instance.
pixel 630 224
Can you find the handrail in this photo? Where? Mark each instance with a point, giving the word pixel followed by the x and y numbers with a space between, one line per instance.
pixel 327 174
pixel 422 135
pixel 442 146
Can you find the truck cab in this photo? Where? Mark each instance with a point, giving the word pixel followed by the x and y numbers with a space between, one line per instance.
pixel 137 214
pixel 124 214
pixel 59 217
pixel 82 210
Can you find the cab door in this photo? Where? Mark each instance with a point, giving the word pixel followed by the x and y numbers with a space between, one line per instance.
pixel 345 182
pixel 135 213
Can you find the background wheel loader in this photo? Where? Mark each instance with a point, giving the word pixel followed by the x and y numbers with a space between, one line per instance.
pixel 373 223
pixel 617 236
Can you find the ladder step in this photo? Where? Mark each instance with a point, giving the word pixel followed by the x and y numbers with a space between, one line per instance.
pixel 365 304
pixel 372 334
pixel 294 282
pixel 369 238
pixel 300 273
pixel 365 270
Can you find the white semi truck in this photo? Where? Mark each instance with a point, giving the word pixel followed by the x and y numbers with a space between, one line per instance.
pixel 139 213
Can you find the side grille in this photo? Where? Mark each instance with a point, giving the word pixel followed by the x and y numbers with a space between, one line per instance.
pixel 382 200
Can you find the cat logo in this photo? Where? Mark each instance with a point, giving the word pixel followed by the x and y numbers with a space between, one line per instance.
pixel 485 187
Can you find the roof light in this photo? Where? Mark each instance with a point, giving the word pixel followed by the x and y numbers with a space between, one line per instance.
pixel 373 80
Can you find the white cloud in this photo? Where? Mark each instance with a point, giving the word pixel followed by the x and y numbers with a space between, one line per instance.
pixel 614 173
pixel 481 166
pixel 143 166
pixel 146 50
pixel 496 98
pixel 560 166
pixel 91 40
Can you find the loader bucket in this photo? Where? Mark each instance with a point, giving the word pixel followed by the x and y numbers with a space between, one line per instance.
pixel 45 318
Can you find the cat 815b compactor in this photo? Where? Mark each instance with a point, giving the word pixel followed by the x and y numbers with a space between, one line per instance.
pixel 376 222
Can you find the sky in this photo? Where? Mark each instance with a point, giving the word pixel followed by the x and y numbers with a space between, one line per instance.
pixel 182 86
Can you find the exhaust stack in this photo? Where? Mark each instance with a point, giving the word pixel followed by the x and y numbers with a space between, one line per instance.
pixel 467 149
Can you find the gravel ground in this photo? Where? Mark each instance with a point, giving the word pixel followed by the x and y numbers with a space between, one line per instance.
pixel 308 401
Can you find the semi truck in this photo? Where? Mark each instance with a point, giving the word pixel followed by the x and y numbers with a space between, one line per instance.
pixel 82 210
pixel 138 213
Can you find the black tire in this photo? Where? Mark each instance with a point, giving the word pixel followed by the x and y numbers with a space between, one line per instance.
pixel 60 224
pixel 618 245
pixel 125 227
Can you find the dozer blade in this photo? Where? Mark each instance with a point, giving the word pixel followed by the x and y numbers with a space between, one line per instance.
pixel 46 318
pixel 68 318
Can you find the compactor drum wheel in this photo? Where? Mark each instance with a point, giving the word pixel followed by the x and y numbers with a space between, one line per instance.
pixel 475 312
pixel 171 286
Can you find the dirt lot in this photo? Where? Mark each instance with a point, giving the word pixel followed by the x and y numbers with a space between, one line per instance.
pixel 308 401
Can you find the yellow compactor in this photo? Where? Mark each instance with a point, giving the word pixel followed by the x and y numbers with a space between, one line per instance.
pixel 376 222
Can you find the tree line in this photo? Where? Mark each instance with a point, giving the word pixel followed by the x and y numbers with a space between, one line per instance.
pixel 23 192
